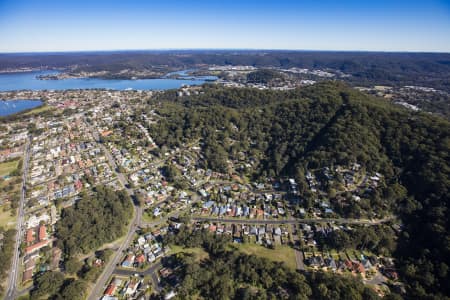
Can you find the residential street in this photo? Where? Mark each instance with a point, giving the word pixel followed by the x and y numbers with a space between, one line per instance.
pixel 293 221
pixel 152 271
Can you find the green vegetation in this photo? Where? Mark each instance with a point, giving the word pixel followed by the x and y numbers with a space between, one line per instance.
pixel 94 220
pixel 283 254
pixel 264 76
pixel 197 252
pixel 40 109
pixel 6 218
pixel 329 124
pixel 73 283
pixel 11 167
pixel 378 239
pixel 230 274
pixel 6 252
pixel 52 285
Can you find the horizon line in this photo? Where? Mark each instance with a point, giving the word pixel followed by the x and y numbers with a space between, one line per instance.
pixel 221 49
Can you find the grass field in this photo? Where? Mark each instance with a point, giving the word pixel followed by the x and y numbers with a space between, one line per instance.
pixel 199 253
pixel 39 110
pixel 8 167
pixel 6 220
pixel 279 254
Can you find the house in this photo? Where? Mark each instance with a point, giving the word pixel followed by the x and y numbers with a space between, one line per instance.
pixel 165 272
pixel 367 264
pixel 30 265
pixel 262 231
pixel 259 213
pixel 140 259
pixel 390 273
pixel 27 275
pixel 314 261
pixel 158 253
pixel 128 262
pixel 348 264
pixel 330 263
pixel 30 236
pixel 37 246
pixel 208 204
pixel 156 212
pixel 212 228
pixel 110 290
pixel 107 297
pixel 141 241
pixel 151 258
pixel 358 267
pixel 277 231
pixel 42 233
pixel 170 295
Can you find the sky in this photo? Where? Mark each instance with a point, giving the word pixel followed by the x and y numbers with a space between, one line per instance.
pixel 89 25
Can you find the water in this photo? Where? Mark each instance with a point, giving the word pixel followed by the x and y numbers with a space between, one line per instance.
pixel 14 106
pixel 28 81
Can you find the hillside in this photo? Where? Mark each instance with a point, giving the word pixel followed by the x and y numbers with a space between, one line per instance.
pixel 326 125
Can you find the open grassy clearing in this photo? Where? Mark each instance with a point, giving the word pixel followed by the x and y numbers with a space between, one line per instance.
pixel 281 253
pixel 39 110
pixel 6 220
pixel 199 253
pixel 7 167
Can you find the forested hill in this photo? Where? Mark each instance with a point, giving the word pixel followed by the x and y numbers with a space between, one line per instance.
pixel 329 124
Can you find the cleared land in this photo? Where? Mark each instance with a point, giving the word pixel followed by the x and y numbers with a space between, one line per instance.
pixel 39 110
pixel 283 254
pixel 199 253
pixel 7 167
pixel 6 220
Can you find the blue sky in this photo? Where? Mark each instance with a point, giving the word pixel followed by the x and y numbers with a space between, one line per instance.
pixel 69 25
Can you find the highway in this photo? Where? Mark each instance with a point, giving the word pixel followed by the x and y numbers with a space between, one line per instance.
pixel 102 281
pixel 13 275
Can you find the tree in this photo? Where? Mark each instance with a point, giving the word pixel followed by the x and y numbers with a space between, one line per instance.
pixel 47 284
pixel 74 290
pixel 73 265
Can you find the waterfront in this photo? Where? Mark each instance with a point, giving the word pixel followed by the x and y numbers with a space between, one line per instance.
pixel 15 106
pixel 29 81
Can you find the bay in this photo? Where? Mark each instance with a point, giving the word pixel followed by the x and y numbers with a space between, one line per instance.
pixel 29 81
pixel 15 106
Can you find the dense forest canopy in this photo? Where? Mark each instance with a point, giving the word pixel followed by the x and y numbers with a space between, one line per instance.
pixel 329 124
pixel 94 220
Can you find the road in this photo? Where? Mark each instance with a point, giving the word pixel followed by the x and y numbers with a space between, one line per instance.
pixel 294 221
pixel 150 271
pixel 102 281
pixel 13 275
